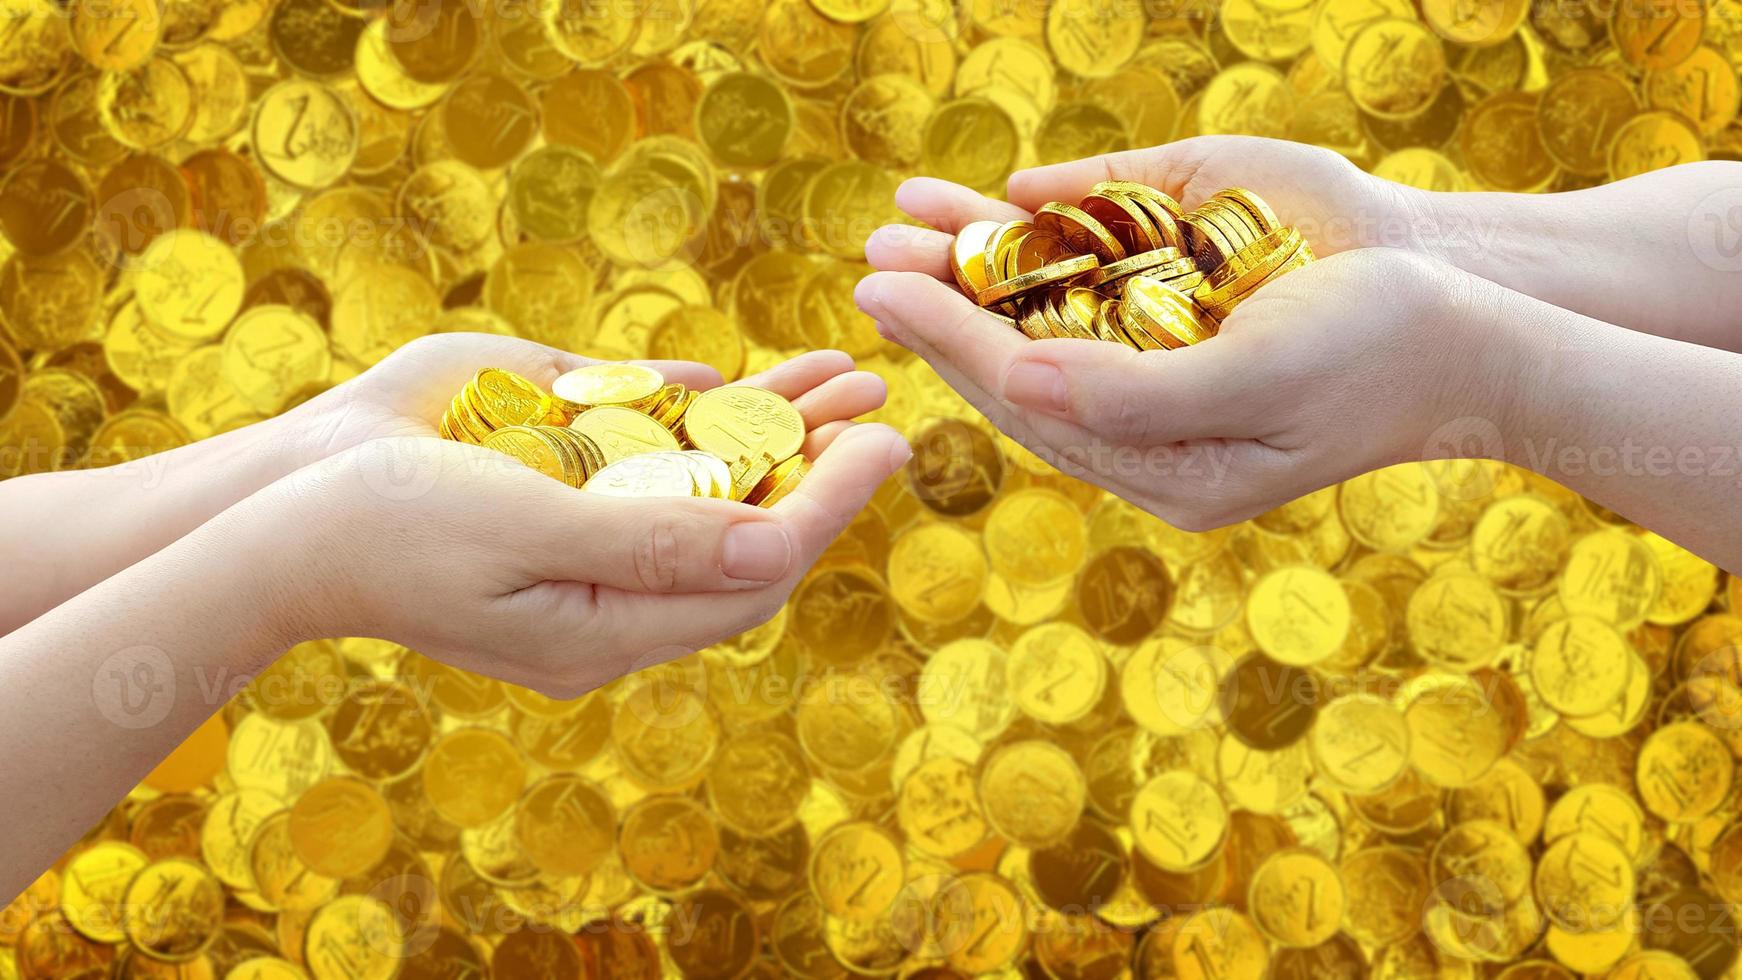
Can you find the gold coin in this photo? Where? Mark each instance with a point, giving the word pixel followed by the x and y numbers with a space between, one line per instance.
pixel 341 827
pixel 740 421
pixel 662 474
pixel 1296 898
pixel 1178 820
pixel 937 572
pixel 1579 666
pixel 981 922
pixel 1298 616
pixel 1080 232
pixel 472 776
pixel 1425 169
pixel 44 207
pixel 883 120
pixel 1456 731
pixel 623 432
pixel 1656 35
pixel 1580 113
pixel 1703 87
pixel 1171 686
pixel 1457 621
pixel 1386 886
pixel 147 107
pixel 1482 24
pixel 173 909
pixel 965 684
pixel 970 141
pixel 564 825
pixel 1651 141
pixel 94 886
pixel 1219 942
pixel 1519 543
pixel 1034 537
pixel 489 119
pixel 305 134
pixel 939 808
pixel 1056 673
pixel 1394 67
pixel 744 120
pixel 1033 791
pixel 1247 98
pixel 1684 772
pixel 608 384
pixel 1585 882
pixel 1502 145
pixel 272 353
pixel 1360 743
pixel 856 871
pixel 355 936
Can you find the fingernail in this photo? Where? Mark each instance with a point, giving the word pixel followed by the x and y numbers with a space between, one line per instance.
pixel 1036 385
pixel 868 296
pixel 756 551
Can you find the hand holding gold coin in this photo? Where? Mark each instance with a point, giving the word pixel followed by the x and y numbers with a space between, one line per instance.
pixel 1243 374
pixel 408 391
pixel 543 540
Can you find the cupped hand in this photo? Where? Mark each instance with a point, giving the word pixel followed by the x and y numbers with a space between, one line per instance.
pixel 1337 368
pixel 1334 203
pixel 470 557
pixel 407 392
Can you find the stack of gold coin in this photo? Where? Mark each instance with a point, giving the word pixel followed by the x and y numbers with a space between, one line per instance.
pixel 556 451
pixel 1127 265
pixel 620 429
pixel 666 473
pixel 1260 261
pixel 1229 221
pixel 493 400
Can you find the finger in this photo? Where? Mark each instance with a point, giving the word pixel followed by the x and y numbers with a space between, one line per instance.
pixel 844 396
pixel 905 248
pixel 791 378
pixel 820 438
pixel 918 309
pixel 1137 398
pixel 839 486
pixel 1168 167
pixel 948 207
pixel 687 373
pixel 661 545
pixel 543 364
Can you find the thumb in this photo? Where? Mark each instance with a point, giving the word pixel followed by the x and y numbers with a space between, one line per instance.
pixel 661 545
pixel 840 484
pixel 1133 397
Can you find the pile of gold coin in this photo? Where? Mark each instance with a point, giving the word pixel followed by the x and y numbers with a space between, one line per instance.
pixel 996 733
pixel 620 429
pixel 1127 265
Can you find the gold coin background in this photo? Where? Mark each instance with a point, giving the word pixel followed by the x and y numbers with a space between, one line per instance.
pixel 211 211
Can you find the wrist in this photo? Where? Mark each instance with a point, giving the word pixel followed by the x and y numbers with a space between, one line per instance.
pixel 1516 240
pixel 1512 388
pixel 270 545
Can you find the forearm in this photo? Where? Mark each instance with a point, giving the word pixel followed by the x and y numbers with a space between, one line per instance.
pixel 97 691
pixel 1659 253
pixel 1643 425
pixel 61 533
